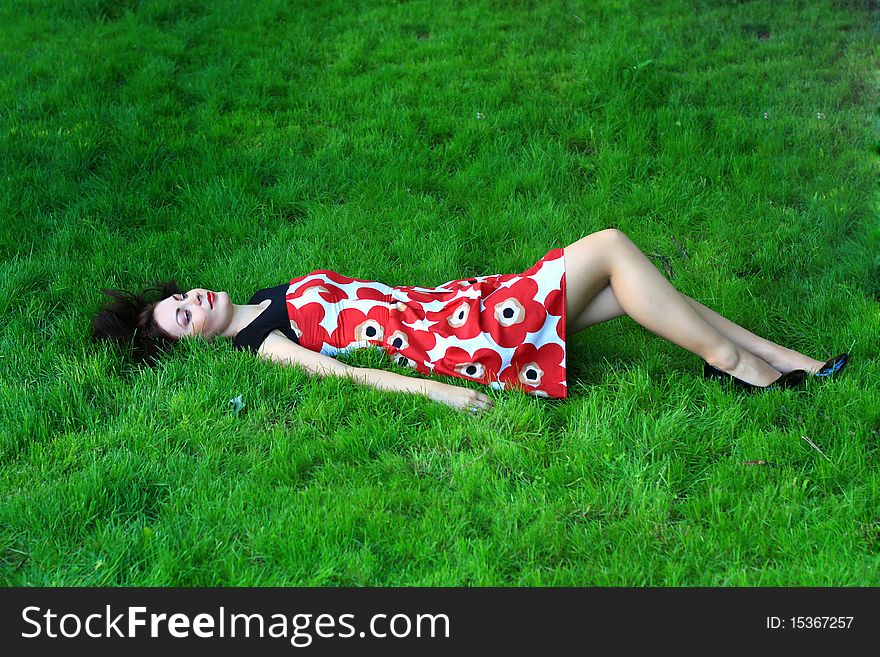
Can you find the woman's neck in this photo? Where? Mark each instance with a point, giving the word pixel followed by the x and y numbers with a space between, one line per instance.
pixel 242 315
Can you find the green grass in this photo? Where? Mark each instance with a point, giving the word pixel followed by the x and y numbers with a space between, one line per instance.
pixel 235 145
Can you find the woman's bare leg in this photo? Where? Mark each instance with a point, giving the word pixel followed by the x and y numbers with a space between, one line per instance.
pixel 781 358
pixel 605 306
pixel 609 257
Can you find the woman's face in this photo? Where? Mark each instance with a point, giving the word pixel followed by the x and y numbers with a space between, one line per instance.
pixel 196 313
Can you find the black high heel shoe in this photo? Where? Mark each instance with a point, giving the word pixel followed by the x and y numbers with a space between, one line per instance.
pixel 832 367
pixel 793 379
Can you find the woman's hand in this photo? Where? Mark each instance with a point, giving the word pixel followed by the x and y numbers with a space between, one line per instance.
pixel 459 397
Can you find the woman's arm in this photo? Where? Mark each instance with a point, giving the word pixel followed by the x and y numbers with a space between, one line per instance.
pixel 455 396
pixel 278 348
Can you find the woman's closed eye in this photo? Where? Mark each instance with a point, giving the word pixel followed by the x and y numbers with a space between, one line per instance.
pixel 186 313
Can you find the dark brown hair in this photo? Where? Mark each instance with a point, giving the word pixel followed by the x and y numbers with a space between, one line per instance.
pixel 129 321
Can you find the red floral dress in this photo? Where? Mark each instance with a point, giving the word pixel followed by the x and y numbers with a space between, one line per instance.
pixel 503 330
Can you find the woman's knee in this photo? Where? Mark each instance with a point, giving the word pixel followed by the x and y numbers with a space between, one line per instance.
pixel 615 236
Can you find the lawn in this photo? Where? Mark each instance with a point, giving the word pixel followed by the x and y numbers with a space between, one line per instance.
pixel 235 145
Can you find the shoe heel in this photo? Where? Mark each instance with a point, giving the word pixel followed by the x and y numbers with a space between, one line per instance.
pixel 794 379
pixel 712 372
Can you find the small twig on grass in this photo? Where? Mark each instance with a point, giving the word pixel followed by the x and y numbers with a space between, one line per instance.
pixel 665 260
pixel 680 247
pixel 471 462
pixel 814 446
pixel 761 462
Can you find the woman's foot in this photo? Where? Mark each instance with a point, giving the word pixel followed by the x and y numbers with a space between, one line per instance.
pixel 793 379
pixel 787 360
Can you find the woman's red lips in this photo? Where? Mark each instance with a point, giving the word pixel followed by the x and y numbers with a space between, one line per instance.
pixel 211 299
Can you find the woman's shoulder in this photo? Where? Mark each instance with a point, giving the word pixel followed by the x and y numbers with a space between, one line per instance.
pixel 272 292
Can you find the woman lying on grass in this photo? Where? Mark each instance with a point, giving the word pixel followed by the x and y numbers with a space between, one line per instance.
pixel 505 331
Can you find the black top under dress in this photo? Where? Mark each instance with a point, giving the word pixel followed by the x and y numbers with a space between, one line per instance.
pixel 274 317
